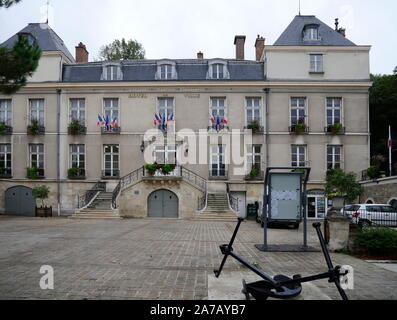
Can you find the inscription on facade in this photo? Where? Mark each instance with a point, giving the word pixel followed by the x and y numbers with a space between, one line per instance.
pixel 137 95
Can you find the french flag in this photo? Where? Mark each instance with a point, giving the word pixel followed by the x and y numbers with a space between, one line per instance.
pixel 114 122
pixel 100 120
pixel 157 119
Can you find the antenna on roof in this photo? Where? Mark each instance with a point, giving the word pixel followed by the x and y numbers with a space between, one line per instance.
pixel 299 7
pixel 48 4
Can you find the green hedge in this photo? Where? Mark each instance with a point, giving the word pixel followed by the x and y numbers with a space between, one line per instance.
pixel 377 240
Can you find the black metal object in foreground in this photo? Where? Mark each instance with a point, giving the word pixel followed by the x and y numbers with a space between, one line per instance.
pixel 281 287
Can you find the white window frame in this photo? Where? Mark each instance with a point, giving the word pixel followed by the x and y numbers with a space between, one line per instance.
pixel 36 116
pixel 316 63
pixel 297 109
pixel 166 110
pixel 211 75
pixel 251 109
pixel 312 33
pixel 298 154
pixel 111 110
pixel 7 154
pixel 167 150
pixel 112 153
pixel 115 71
pixel 218 154
pixel 333 154
pixel 79 109
pixel 333 108
pixel 251 154
pixel 77 154
pixel 6 112
pixel 38 154
pixel 217 108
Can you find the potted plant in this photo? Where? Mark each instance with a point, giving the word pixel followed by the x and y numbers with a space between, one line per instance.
pixel 166 169
pixel 373 172
pixel 254 173
pixel 336 128
pixel 2 127
pixel 151 168
pixel 75 127
pixel 33 173
pixel 254 126
pixel 42 192
pixel 34 127
pixel 300 127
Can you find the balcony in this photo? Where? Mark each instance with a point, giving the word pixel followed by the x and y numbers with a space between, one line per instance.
pixel 162 171
pixel 221 127
pixel 5 173
pixel 300 128
pixel 5 129
pixel 76 174
pixel 114 130
pixel 35 173
pixel 335 129
pixel 110 174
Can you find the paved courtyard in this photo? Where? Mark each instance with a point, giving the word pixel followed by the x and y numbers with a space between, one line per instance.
pixel 156 259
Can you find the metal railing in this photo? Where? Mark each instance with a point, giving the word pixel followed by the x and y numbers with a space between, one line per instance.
pixel 125 181
pixel 5 173
pixel 6 130
pixel 233 202
pixel 221 174
pixel 298 130
pixel 110 174
pixel 78 174
pixel 86 198
pixel 202 202
pixel 113 130
pixel 331 130
pixel 194 178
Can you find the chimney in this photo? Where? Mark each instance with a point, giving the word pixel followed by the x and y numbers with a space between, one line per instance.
pixel 81 53
pixel 200 55
pixel 342 31
pixel 239 41
pixel 259 47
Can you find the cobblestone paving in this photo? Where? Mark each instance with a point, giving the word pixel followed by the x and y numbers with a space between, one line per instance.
pixel 154 259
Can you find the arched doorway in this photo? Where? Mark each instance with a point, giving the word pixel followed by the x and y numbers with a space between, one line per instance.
pixel 163 204
pixel 20 201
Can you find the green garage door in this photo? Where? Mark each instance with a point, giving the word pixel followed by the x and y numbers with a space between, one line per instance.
pixel 20 201
pixel 163 204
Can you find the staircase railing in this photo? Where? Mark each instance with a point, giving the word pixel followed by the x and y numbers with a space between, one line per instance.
pixel 127 180
pixel 86 198
pixel 138 174
pixel 233 202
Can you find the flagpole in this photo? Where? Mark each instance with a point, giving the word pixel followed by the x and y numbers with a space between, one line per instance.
pixel 390 144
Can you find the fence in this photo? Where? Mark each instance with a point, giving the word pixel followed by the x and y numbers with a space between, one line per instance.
pixel 384 216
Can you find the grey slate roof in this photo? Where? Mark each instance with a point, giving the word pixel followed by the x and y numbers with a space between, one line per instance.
pixel 46 39
pixel 145 70
pixel 293 35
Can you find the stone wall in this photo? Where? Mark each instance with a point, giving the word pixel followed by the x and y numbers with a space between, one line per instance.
pixel 380 191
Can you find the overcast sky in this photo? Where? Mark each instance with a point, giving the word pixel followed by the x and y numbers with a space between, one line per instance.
pixel 181 28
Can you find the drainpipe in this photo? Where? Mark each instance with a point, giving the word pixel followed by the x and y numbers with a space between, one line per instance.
pixel 267 92
pixel 59 92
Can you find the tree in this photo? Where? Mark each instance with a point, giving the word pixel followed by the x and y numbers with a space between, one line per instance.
pixel 122 50
pixel 17 64
pixel 41 192
pixel 383 112
pixel 341 184
pixel 8 3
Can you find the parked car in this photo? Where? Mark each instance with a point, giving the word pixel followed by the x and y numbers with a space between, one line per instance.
pixel 372 214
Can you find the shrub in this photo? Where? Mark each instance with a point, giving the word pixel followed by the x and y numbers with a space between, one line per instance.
pixel 373 172
pixel 377 240
pixel 341 184
pixel 2 126
pixel 73 172
pixel 151 168
pixel 254 172
pixel 33 173
pixel 254 126
pixel 34 127
pixel 167 168
pixel 75 127
pixel 336 128
pixel 41 192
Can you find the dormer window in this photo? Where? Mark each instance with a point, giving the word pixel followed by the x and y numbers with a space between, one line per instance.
pixel 310 33
pixel 166 70
pixel 218 70
pixel 111 72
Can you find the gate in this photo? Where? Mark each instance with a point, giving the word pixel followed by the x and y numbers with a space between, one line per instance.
pixel 20 201
pixel 163 204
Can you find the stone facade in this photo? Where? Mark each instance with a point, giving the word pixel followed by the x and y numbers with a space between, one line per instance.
pixel 383 191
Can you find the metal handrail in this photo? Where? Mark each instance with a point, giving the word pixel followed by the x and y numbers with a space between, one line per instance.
pixel 194 178
pixel 86 198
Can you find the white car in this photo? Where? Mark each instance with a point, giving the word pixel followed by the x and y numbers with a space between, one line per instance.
pixel 372 214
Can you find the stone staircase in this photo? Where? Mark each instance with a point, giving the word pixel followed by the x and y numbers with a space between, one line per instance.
pixel 217 209
pixel 100 208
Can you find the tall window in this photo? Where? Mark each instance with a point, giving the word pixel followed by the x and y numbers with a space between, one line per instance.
pixel 165 154
pixel 217 71
pixel 165 109
pixel 5 112
pixel 111 161
pixel 316 63
pixel 218 166
pixel 166 71
pixel 111 72
pixel 334 157
pixel 36 157
pixel 5 159
pixel 334 106
pixel 254 157
pixel 111 109
pixel 298 156
pixel 253 109
pixel 298 111
pixel 218 113
pixel 37 111
pixel 77 157
pixel 77 110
